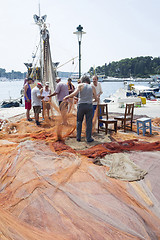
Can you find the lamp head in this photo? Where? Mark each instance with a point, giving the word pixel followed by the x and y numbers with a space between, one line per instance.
pixel 79 28
pixel 79 33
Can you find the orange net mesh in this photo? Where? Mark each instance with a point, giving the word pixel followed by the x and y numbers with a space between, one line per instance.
pixel 156 122
pixel 49 190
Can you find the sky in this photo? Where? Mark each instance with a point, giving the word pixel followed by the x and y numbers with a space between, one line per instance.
pixel 115 29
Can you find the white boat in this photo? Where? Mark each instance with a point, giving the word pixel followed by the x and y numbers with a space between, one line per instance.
pixel 140 90
pixel 101 78
pixel 155 84
pixel 145 91
pixel 74 77
pixel 133 94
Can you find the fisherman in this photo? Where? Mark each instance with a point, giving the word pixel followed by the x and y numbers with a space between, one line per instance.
pixel 36 102
pixel 99 91
pixel 61 90
pixel 46 101
pixel 27 97
pixel 85 107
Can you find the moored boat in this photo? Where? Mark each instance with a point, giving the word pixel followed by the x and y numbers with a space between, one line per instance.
pixel 11 103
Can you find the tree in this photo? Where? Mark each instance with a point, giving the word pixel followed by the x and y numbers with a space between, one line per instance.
pixel 133 67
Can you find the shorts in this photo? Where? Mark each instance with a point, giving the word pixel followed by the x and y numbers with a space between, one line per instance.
pixel 37 109
pixel 28 105
pixel 46 105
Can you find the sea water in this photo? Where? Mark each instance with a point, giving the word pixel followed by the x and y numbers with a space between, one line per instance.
pixel 12 89
pixel 110 88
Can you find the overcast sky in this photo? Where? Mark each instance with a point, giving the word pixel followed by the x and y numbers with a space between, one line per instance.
pixel 115 29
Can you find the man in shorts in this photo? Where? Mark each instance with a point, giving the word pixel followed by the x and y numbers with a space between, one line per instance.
pixel 27 97
pixel 46 101
pixel 36 101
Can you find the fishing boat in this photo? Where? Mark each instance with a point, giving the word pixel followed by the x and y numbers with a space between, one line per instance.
pixel 131 93
pixel 11 103
pixel 155 83
pixel 42 68
pixel 100 77
pixel 75 77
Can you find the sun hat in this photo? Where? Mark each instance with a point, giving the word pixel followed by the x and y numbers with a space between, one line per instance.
pixel 47 84
pixel 58 78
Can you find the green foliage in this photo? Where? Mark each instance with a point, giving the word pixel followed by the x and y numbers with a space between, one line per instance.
pixel 130 67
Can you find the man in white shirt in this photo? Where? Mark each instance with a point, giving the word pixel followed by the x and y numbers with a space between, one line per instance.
pixel 99 91
pixel 36 102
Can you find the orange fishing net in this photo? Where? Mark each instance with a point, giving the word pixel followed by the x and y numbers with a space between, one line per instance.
pixel 156 122
pixel 49 190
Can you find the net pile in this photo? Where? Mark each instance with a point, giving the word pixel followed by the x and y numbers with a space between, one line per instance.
pixel 50 191
pixel 49 195
pixel 116 147
pixel 156 122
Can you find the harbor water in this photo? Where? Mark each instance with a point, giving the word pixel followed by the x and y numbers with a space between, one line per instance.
pixel 12 89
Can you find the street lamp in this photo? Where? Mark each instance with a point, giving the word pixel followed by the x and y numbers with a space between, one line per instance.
pixel 79 35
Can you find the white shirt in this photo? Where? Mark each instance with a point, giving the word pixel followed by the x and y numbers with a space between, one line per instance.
pixel 98 90
pixel 45 94
pixel 35 100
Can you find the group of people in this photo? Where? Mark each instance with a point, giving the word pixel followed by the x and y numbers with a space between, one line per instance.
pixel 88 98
pixel 39 96
pixel 33 98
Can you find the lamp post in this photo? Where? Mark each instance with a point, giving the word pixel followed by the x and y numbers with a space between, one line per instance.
pixel 79 36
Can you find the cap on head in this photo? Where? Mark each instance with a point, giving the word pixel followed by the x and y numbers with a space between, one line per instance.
pixel 39 84
pixel 47 84
pixel 58 79
pixel 28 79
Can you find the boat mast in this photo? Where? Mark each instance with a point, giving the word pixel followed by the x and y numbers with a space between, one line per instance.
pixel 41 55
pixel 41 22
pixel 48 71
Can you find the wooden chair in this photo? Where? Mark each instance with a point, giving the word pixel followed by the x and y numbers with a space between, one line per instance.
pixel 103 118
pixel 127 117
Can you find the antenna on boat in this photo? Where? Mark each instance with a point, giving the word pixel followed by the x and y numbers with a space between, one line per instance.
pixel 39 9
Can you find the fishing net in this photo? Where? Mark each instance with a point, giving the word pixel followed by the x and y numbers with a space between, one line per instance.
pixel 61 195
pixel 48 190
